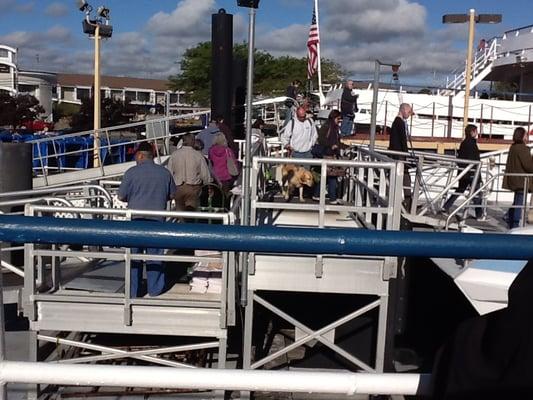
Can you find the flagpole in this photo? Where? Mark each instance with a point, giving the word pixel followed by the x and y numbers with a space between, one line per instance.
pixel 319 65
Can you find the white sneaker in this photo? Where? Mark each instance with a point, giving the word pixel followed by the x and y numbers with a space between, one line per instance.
pixel 315 198
pixel 335 202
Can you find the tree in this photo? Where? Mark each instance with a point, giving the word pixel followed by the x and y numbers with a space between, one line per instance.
pixel 113 112
pixel 272 74
pixel 16 109
pixel 65 110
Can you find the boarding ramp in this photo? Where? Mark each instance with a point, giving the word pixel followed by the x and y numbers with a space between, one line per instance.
pixel 66 196
pixel 87 156
pixel 482 64
pixel 74 295
pixel 278 282
pixel 435 177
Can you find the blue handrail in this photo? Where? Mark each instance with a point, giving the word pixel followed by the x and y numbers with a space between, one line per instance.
pixel 269 239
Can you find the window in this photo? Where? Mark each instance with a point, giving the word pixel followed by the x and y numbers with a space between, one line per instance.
pixel 116 94
pixel 30 89
pixel 143 96
pixel 67 93
pixel 130 95
pixel 4 53
pixel 83 93
pixel 173 98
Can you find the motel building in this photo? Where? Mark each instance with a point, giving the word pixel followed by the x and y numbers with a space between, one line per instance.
pixel 49 87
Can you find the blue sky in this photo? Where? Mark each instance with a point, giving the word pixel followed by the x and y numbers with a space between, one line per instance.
pixel 151 35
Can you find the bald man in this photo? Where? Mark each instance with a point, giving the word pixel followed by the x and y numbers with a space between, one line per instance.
pixel 398 142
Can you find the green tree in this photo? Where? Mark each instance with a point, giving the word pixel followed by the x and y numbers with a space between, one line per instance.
pixel 272 74
pixel 62 110
pixel 113 112
pixel 16 109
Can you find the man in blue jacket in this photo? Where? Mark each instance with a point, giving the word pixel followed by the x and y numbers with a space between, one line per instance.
pixel 147 186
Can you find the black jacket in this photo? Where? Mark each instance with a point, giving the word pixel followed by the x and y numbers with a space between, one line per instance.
pixel 468 151
pixel 398 136
pixel 348 102
pixel 490 356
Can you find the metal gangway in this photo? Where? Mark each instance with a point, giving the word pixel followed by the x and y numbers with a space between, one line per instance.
pixel 113 151
pixel 74 294
pixel 434 179
pixel 371 200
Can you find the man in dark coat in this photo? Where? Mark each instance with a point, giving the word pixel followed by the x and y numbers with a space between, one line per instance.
pixel 398 142
pixel 490 357
pixel 348 108
pixel 467 151
pixel 292 93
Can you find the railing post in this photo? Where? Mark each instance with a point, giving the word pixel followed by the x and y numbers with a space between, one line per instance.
pixel 481 120
pixel 491 118
pixel 450 116
pixel 433 121
pixel 3 386
pixel 529 119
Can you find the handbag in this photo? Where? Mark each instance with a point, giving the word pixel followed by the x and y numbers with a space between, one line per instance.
pixel 335 171
pixel 231 164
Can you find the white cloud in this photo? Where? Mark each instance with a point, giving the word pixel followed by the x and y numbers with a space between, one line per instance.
pixel 25 7
pixel 189 19
pixel 7 6
pixel 353 33
pixel 56 9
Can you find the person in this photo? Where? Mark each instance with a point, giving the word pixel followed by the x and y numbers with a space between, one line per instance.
pixel 482 45
pixel 190 171
pixel 519 161
pixel 292 93
pixel 257 131
pixel 328 146
pixel 398 142
pixel 468 150
pixel 348 108
pixel 220 155
pixel 228 134
pixel 489 356
pixel 147 186
pixel 299 135
pixel 207 135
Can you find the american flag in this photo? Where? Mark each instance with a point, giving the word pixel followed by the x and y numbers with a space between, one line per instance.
pixel 312 47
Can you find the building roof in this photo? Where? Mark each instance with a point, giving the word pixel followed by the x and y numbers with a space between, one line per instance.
pixel 113 82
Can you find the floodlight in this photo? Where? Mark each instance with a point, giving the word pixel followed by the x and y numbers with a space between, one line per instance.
pixel 489 18
pixel 103 12
pixel 455 18
pixel 83 5
pixel 248 3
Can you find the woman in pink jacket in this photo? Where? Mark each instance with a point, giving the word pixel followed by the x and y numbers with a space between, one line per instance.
pixel 224 166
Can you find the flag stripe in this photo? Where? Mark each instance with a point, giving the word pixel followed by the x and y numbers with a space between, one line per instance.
pixel 312 47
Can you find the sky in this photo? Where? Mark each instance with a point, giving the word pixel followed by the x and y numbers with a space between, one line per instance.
pixel 150 36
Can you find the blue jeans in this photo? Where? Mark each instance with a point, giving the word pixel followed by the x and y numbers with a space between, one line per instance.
pixel 155 273
pixel 331 184
pixel 514 214
pixel 346 126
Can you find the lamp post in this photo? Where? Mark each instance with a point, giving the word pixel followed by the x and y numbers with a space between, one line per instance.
pixel 375 92
pixel 97 28
pixel 472 19
pixel 252 5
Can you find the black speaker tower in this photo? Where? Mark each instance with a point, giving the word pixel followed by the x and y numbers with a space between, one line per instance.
pixel 221 65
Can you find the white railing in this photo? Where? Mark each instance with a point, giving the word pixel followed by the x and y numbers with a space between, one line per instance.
pixel 339 383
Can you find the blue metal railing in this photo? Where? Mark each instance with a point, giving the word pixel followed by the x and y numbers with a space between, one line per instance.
pixel 268 239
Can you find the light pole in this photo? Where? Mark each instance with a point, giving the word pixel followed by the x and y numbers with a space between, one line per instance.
pixel 252 5
pixel 472 19
pixel 96 28
pixel 375 92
